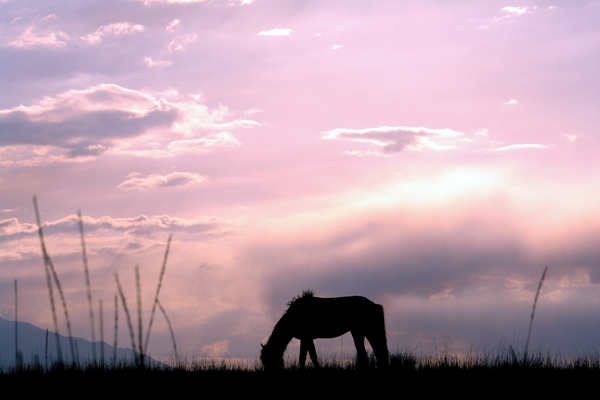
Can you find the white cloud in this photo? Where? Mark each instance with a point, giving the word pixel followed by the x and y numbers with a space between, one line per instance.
pixel 79 125
pixel 511 102
pixel 116 29
pixel 151 63
pixel 570 138
pixel 172 25
pixel 178 44
pixel 203 145
pixel 253 110
pixel 482 132
pixel 172 179
pixel 30 39
pixel 515 11
pixel 360 153
pixel 142 225
pixel 276 32
pixel 396 139
pixel 521 147
pixel 337 46
pixel 507 14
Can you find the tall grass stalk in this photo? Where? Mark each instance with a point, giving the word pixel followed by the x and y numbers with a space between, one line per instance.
pixel 128 316
pixel 49 282
pixel 533 312
pixel 16 326
pixel 49 263
pixel 171 331
pixel 155 302
pixel 46 352
pixel 87 283
pixel 101 317
pixel 138 287
pixel 18 354
pixel 116 328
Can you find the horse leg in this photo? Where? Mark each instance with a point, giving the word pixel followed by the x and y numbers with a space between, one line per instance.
pixel 379 345
pixel 313 354
pixel 377 338
pixel 361 352
pixel 303 350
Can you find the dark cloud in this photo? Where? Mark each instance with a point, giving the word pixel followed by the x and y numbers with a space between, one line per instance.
pixel 18 128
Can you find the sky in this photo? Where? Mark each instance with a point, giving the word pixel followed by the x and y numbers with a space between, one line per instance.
pixel 433 156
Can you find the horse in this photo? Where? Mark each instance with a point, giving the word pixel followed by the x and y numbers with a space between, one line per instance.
pixel 308 317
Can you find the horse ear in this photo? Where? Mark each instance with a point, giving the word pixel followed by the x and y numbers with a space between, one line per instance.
pixel 262 345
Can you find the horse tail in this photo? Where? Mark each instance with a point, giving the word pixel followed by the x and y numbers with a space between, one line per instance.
pixel 379 343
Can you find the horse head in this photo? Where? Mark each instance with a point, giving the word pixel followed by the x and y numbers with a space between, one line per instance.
pixel 271 360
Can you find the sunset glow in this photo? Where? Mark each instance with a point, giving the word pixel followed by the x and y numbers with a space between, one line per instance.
pixel 431 156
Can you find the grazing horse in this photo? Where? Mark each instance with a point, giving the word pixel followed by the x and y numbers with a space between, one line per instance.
pixel 308 317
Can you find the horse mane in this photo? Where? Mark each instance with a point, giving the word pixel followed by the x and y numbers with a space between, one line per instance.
pixel 305 294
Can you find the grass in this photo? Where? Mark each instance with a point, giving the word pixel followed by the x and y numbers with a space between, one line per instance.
pixel 431 374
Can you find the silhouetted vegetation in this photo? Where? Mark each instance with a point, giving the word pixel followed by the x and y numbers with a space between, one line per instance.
pixel 503 370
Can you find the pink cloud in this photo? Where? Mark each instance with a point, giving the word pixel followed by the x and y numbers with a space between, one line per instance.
pixel 140 124
pixel 180 42
pixel 30 39
pixel 172 25
pixel 395 139
pixel 152 64
pixel 116 29
pixel 172 179
pixel 277 32
pixel 523 146
pixel 203 145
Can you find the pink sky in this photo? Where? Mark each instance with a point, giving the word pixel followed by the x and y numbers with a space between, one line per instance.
pixel 432 156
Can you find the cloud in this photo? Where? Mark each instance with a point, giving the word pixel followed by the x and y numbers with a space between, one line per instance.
pixel 179 43
pixel 172 179
pixel 515 11
pixel 203 145
pixel 277 32
pixel 395 139
pixel 79 125
pixel 142 225
pixel 511 102
pixel 172 25
pixel 507 14
pixel 521 147
pixel 151 63
pixel 30 39
pixel 570 138
pixel 9 210
pixel 337 46
pixel 253 110
pixel 115 29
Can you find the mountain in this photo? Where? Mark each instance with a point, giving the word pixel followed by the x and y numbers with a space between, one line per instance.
pixel 32 343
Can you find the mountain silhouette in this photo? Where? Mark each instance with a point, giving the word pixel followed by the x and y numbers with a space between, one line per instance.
pixel 32 344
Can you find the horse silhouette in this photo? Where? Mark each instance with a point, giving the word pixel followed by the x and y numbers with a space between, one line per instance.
pixel 308 317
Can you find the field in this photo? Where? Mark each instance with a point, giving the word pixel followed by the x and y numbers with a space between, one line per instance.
pixel 503 371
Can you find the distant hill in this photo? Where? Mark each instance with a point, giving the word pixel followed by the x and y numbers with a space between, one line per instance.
pixel 32 342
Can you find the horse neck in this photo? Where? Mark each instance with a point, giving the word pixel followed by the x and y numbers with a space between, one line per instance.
pixel 281 336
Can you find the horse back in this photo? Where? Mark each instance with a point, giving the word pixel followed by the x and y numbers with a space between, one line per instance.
pixel 318 317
